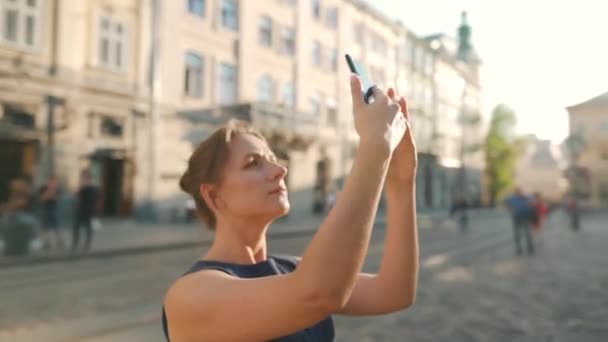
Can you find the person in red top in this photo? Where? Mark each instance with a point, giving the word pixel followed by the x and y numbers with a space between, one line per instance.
pixel 540 211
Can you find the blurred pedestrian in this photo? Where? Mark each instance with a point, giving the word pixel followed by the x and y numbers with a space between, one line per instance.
pixel 540 212
pixel 330 200
pixel 48 196
pixel 86 203
pixel 18 225
pixel 460 207
pixel 522 214
pixel 190 210
pixel 239 188
pixel 573 210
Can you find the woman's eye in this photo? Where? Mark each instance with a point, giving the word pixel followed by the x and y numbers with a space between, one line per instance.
pixel 253 162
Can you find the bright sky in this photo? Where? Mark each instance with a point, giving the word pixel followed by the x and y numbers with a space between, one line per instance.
pixel 539 55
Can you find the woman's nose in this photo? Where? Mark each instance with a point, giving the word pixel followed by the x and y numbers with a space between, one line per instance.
pixel 278 170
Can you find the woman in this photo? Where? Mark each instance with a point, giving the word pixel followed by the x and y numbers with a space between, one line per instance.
pixel 540 212
pixel 238 293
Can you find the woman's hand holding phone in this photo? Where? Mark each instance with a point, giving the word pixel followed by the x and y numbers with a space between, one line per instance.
pixel 379 124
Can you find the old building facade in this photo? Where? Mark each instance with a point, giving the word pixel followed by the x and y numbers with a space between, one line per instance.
pixel 127 89
pixel 588 169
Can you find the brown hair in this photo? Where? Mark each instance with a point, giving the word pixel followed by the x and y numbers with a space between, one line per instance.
pixel 207 162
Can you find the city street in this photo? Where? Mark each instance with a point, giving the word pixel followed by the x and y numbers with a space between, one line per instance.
pixel 471 288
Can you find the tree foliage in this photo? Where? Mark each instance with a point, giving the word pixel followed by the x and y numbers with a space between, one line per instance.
pixel 500 152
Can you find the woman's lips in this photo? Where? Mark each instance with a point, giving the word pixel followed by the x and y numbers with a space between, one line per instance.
pixel 278 190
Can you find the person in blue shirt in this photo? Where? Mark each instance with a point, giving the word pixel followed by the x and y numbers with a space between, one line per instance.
pixel 522 213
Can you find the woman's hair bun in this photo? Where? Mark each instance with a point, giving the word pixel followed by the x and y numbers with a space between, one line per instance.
pixel 185 183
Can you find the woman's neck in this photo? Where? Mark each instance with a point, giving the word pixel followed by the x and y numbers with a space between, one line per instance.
pixel 239 244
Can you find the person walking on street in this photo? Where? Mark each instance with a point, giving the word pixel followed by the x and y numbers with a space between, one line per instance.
pixel 572 207
pixel 540 213
pixel 460 207
pixel 49 194
pixel 86 202
pixel 522 212
pixel 236 292
pixel 330 200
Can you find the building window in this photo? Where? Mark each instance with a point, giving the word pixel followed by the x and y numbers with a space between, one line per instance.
pixel 265 88
pixel 377 76
pixel 413 56
pixel 315 104
pixel 581 128
pixel 110 127
pixel 316 9
pixel 112 43
pixel 20 21
pixel 91 125
pixel 289 96
pixel 412 89
pixel 429 98
pixel 229 14
pixel 421 61
pixel 316 53
pixel 359 33
pixel 403 58
pixel 197 7
pixel 19 117
pixel 332 59
pixel 288 41
pixel 332 17
pixel 265 31
pixel 428 64
pixel 228 82
pixel 194 75
pixel 378 44
pixel 332 113
pixel 391 54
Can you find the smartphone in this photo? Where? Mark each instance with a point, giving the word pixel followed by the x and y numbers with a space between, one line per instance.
pixel 366 84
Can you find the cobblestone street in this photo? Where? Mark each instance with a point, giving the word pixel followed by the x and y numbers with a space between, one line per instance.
pixel 471 288
pixel 557 295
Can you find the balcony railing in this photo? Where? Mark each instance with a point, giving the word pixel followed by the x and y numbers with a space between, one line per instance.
pixel 298 128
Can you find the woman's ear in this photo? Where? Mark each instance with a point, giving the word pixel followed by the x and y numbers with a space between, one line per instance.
pixel 209 195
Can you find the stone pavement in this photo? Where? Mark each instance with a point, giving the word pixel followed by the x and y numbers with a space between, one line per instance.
pixel 557 295
pixel 127 236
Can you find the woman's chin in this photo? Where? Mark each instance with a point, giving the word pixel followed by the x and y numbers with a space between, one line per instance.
pixel 277 208
pixel 283 208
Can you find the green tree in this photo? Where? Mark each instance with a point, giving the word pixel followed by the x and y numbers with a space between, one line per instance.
pixel 500 152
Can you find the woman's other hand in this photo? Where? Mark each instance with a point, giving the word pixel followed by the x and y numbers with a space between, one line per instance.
pixel 402 168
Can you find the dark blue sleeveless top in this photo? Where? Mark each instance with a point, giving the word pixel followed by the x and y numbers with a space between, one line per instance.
pixel 320 332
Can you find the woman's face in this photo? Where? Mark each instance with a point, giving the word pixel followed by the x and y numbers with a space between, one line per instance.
pixel 253 181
